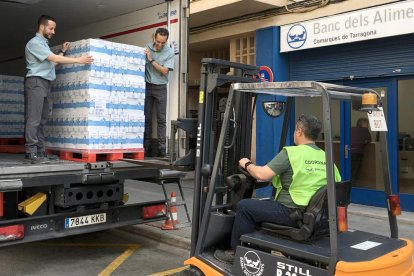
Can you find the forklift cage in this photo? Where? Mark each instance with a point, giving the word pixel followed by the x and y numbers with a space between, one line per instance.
pixel 328 92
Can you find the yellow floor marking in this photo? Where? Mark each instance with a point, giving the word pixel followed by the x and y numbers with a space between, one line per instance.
pixel 114 264
pixel 118 261
pixel 170 272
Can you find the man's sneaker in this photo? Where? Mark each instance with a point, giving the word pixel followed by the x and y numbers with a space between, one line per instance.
pixel 225 256
pixel 162 154
pixel 45 157
pixel 32 158
pixel 148 152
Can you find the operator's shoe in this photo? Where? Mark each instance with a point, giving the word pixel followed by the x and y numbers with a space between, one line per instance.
pixel 225 256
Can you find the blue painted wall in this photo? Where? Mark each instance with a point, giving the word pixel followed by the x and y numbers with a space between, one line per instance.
pixel 268 129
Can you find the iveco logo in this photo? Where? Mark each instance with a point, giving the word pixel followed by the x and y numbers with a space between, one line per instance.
pixel 38 227
pixel 296 36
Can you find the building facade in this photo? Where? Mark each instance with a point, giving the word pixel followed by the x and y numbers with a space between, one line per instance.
pixel 369 44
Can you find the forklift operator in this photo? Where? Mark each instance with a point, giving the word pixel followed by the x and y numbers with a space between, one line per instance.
pixel 297 172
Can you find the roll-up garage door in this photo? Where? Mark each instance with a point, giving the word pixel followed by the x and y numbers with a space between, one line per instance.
pixel 374 58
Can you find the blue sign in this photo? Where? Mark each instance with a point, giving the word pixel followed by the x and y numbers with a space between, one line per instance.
pixel 296 36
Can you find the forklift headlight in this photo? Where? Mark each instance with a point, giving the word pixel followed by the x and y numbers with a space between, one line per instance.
pixel 274 109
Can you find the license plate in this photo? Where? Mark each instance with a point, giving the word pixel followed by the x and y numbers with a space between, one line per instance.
pixel 85 220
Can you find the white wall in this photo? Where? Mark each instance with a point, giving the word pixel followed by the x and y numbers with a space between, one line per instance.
pixel 253 25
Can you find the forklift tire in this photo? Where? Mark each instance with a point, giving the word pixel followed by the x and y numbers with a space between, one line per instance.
pixel 192 271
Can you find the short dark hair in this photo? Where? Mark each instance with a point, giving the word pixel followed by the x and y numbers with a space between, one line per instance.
pixel 43 19
pixel 311 126
pixel 162 32
pixel 362 121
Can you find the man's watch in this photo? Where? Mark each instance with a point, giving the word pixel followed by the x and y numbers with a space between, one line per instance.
pixel 63 52
pixel 248 163
pixel 152 61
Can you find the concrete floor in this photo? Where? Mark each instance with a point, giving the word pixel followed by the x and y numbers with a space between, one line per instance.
pixel 114 252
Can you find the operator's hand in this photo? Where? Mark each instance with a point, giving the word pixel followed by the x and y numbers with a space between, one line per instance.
pixel 147 54
pixel 65 46
pixel 85 59
pixel 243 161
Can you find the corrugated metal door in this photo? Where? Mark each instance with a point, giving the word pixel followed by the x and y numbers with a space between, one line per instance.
pixel 374 58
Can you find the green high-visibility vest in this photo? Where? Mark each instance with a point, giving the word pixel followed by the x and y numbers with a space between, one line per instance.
pixel 309 173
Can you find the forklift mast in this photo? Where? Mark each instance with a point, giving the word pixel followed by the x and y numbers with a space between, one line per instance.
pixel 216 77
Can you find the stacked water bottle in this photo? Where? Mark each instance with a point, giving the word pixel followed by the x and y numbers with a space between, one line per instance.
pixel 11 107
pixel 99 106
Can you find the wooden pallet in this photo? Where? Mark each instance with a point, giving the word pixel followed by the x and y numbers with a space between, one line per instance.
pixel 12 145
pixel 91 156
pixel 12 141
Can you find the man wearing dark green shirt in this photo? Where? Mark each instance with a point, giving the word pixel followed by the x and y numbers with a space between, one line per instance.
pixel 297 172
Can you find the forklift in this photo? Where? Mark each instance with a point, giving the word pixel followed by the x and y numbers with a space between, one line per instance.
pixel 321 244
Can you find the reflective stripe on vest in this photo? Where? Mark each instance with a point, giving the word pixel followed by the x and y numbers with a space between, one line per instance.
pixel 309 173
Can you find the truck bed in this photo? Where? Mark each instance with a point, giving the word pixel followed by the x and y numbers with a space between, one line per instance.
pixel 14 166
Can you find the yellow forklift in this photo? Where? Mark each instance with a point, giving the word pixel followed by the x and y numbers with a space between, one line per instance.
pixel 322 244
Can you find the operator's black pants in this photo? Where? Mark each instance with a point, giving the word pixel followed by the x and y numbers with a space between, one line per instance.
pixel 251 212
pixel 155 96
pixel 37 109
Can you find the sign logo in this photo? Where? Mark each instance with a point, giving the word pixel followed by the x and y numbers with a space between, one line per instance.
pixel 38 227
pixel 251 264
pixel 265 74
pixel 296 36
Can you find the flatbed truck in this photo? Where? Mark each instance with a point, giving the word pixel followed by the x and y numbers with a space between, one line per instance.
pixel 44 201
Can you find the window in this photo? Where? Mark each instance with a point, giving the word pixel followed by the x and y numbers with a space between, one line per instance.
pixel 243 49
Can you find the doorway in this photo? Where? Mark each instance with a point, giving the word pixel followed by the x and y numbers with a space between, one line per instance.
pixel 398 101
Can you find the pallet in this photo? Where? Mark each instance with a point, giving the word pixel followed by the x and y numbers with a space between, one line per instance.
pixel 91 156
pixel 12 141
pixel 12 149
pixel 12 145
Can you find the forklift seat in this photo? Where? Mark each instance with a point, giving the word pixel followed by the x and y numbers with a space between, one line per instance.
pixel 313 223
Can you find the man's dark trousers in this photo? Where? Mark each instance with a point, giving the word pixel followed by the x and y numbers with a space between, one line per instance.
pixel 251 212
pixel 37 109
pixel 155 95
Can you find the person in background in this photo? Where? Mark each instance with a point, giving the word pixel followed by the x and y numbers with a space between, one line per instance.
pixel 297 172
pixel 360 137
pixel 40 64
pixel 160 61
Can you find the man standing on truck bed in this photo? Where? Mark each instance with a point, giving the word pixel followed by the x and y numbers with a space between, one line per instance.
pixel 160 61
pixel 40 63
